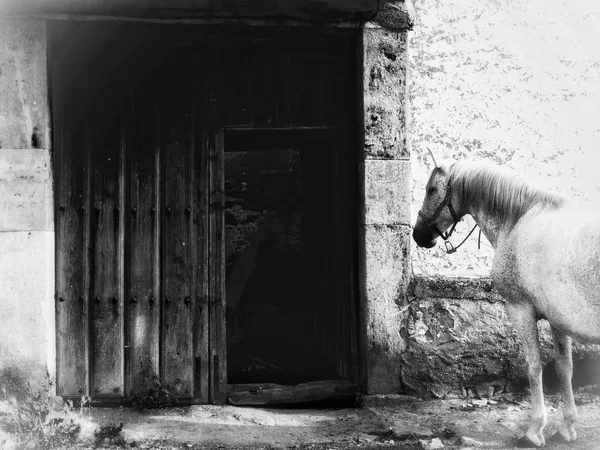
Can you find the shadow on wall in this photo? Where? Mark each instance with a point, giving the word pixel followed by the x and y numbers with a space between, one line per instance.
pixel 586 372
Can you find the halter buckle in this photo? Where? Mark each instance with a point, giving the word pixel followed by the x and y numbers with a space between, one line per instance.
pixel 449 247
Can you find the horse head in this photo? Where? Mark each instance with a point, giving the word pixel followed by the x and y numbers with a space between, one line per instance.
pixel 438 212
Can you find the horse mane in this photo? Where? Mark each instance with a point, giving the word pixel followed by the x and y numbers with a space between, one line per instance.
pixel 503 193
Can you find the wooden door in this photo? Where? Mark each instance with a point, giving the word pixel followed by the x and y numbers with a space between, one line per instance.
pixel 132 232
pixel 141 114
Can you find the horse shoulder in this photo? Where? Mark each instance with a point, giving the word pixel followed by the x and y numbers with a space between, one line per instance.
pixel 517 267
pixel 504 273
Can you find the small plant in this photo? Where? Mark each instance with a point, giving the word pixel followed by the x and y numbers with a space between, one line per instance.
pixel 35 417
pixel 110 434
pixel 158 396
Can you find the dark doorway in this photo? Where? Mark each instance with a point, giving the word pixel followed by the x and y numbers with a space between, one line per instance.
pixel 289 209
pixel 166 138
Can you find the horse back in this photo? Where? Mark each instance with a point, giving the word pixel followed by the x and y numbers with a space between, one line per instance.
pixel 552 259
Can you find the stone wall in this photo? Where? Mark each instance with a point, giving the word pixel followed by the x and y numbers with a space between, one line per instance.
pixel 26 217
pixel 460 342
pixel 385 227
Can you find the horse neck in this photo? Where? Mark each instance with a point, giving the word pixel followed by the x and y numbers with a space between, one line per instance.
pixel 491 226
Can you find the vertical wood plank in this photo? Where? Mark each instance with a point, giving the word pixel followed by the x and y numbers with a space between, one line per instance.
pixel 71 256
pixel 201 329
pixel 218 331
pixel 107 327
pixel 143 317
pixel 178 242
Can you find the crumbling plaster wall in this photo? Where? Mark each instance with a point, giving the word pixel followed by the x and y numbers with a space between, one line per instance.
pixel 26 220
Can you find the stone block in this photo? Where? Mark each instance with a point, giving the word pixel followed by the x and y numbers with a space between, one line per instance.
pixel 385 276
pixel 27 343
pixel 26 202
pixel 394 14
pixel 459 347
pixel 386 192
pixel 481 288
pixel 23 84
pixel 385 93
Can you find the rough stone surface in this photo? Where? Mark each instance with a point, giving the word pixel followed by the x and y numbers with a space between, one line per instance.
pixel 26 303
pixel 23 84
pixel 460 341
pixel 459 347
pixel 386 198
pixel 25 190
pixel 385 277
pixel 394 14
pixel 385 232
pixel 456 287
pixel 384 93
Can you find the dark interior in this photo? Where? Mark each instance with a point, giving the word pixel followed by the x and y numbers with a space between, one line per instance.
pixel 136 111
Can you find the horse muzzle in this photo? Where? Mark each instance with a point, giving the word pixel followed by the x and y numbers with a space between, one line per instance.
pixel 423 235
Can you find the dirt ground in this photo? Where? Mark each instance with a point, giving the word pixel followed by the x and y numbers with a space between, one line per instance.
pixel 396 422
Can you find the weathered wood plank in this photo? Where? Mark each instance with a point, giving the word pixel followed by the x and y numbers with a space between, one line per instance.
pixel 144 264
pixel 344 251
pixel 201 263
pixel 71 255
pixel 273 394
pixel 178 242
pixel 107 325
pixel 218 339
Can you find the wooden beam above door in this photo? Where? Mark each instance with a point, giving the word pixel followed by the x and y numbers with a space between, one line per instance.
pixel 320 10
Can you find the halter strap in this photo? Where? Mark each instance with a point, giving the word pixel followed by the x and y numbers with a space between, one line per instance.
pixel 430 221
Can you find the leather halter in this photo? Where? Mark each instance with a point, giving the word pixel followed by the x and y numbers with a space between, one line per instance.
pixel 430 221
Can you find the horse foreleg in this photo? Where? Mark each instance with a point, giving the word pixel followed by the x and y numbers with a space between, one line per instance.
pixel 564 369
pixel 523 317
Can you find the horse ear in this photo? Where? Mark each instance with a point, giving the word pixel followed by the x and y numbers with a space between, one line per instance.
pixel 432 157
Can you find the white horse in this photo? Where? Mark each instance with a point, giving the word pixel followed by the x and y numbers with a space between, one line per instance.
pixel 546 266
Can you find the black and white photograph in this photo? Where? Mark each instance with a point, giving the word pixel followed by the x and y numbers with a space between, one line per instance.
pixel 299 224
